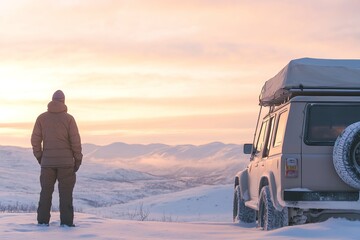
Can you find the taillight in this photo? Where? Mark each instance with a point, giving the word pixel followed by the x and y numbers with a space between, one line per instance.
pixel 291 167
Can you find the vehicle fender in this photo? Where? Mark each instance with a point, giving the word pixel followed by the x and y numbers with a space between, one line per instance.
pixel 243 184
pixel 269 179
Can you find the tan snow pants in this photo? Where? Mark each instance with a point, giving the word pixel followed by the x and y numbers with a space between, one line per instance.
pixel 66 181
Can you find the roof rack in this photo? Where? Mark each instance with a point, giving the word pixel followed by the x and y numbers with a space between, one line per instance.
pixel 285 95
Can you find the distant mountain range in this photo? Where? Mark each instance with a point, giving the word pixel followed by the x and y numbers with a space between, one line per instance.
pixel 157 159
pixel 190 152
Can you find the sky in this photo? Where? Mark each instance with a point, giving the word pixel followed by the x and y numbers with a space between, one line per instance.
pixel 157 71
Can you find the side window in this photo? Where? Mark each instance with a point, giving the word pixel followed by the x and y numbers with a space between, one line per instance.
pixel 280 129
pixel 261 139
pixel 268 139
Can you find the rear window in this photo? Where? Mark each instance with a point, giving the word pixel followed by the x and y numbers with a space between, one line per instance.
pixel 326 122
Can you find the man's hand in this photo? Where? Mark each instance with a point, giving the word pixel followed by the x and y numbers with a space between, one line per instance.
pixel 77 166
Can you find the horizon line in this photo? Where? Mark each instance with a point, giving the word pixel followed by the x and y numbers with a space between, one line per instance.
pixel 142 144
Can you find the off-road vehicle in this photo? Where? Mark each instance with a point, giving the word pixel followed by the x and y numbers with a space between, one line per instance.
pixel 305 156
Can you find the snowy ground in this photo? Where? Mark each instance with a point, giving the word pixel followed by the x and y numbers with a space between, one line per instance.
pixel 21 226
pixel 199 213
pixel 205 203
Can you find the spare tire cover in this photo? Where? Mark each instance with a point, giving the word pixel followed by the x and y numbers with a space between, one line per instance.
pixel 346 155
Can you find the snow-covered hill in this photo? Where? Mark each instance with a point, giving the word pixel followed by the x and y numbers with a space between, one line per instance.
pixel 213 163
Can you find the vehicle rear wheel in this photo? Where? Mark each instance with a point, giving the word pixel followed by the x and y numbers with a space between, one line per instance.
pixel 242 213
pixel 346 155
pixel 269 218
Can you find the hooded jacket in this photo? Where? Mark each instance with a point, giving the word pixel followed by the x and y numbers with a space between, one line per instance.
pixel 55 138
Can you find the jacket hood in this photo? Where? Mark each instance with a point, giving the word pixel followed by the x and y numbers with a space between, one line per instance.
pixel 56 107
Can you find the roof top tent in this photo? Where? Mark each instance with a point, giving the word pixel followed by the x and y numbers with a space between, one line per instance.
pixel 310 76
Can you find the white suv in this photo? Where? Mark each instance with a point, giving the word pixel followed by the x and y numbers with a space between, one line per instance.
pixel 305 157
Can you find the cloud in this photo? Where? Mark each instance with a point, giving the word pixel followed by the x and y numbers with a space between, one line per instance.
pixel 149 108
pixel 17 125
pixel 190 122
pixel 234 128
pixel 174 130
pixel 199 36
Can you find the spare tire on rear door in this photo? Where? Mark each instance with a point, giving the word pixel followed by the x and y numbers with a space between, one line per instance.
pixel 346 155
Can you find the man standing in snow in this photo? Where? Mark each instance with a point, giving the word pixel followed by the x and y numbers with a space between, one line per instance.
pixel 57 147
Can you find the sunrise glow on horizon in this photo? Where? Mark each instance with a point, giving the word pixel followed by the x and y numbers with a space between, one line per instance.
pixel 157 71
